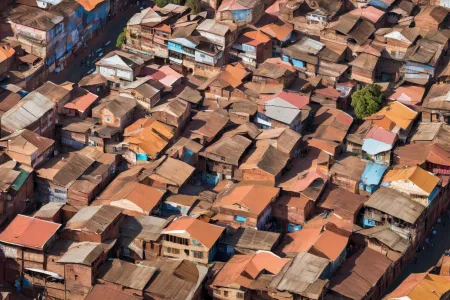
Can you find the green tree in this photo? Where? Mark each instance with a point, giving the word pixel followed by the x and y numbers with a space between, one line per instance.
pixel 367 100
pixel 194 5
pixel 121 38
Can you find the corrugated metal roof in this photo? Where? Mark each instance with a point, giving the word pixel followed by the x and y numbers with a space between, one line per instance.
pixel 134 276
pixel 373 173
pixel 93 218
pixel 396 204
pixel 84 253
pixel 303 274
pixel 30 109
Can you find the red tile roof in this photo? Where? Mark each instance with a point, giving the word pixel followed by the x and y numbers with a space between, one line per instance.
pixel 29 232
pixel 205 233
pixel 381 135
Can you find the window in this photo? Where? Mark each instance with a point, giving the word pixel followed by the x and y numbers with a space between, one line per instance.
pixel 173 251
pixel 197 254
pixel 240 295
pixel 225 293
pixel 195 242
pixel 240 219
pixel 108 119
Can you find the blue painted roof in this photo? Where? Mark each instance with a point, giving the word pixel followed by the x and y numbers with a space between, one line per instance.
pixel 373 147
pixel 373 173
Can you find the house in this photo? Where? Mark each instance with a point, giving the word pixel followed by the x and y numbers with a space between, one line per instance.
pixel 26 239
pixel 81 103
pixel 94 224
pixel 248 241
pixel 303 55
pixel 330 129
pixel 205 126
pixel 191 239
pixel 350 29
pixel 431 157
pixel 387 242
pixel 397 118
pixel 252 48
pixel 175 113
pixel 426 284
pixel 327 97
pixel 140 237
pixel 119 65
pixel 246 205
pixel 284 139
pixel 146 139
pixel 431 133
pixel 408 95
pixel 177 279
pixel 58 94
pixel 377 145
pixel 274 71
pixel 17 191
pixel 371 177
pixel 281 34
pixel 27 147
pixel 284 110
pixel 237 276
pixel 40 32
pixel 77 177
pixel 432 17
pixel 342 203
pixel 195 54
pixel 117 112
pixel 150 29
pixel 418 184
pixel 365 274
pixel 191 96
pixel 355 138
pixel 135 199
pixel 398 40
pixel 422 61
pixel 306 277
pixel 371 14
pixel 146 91
pixel 240 12
pixel 168 174
pixel 226 84
pixel 364 68
pixel 328 242
pixel 179 205
pixel 308 175
pixel 75 133
pixel 263 163
pixel 221 34
pixel 34 112
pixel 223 158
pixel 95 83
pixel 389 206
pixel 291 212
pixel 185 150
pixel 435 104
pixel 126 277
pixel 346 172
pixel 105 138
pixel 81 265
